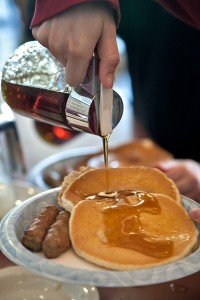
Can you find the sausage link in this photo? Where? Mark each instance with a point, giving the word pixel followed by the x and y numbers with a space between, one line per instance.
pixel 57 239
pixel 35 234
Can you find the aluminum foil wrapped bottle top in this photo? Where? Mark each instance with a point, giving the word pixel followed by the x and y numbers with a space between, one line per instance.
pixel 33 65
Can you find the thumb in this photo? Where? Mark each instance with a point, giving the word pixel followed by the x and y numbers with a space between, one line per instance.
pixel 195 214
pixel 165 165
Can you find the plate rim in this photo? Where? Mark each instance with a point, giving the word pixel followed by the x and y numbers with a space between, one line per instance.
pixel 106 278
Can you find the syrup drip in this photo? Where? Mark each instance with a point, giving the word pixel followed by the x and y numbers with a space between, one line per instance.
pixel 105 151
pixel 122 224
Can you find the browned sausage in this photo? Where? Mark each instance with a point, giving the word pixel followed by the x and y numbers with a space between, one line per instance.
pixel 57 239
pixel 35 234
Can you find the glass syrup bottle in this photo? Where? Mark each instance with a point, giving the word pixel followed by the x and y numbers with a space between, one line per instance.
pixel 33 84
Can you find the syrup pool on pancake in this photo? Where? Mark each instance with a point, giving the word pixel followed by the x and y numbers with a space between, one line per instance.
pixel 124 209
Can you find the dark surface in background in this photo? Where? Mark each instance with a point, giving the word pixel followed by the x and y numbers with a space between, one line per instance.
pixel 165 67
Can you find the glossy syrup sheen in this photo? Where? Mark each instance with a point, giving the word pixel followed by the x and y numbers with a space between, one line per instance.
pixel 122 225
pixel 105 140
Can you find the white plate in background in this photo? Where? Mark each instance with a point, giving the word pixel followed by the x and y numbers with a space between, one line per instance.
pixel 18 283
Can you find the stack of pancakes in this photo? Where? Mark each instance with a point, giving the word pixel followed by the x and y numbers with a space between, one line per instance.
pixel 126 218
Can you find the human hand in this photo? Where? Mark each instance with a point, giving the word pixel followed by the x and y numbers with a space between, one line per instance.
pixel 73 35
pixel 195 214
pixel 186 174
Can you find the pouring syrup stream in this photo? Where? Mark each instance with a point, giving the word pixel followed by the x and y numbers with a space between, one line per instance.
pixel 105 140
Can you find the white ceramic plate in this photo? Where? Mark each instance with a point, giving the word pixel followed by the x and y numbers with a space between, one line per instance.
pixel 71 268
pixel 18 283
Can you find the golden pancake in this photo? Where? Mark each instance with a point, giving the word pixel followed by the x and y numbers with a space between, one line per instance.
pixel 79 184
pixel 131 231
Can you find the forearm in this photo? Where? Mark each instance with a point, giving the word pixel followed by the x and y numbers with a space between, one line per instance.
pixel 46 9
